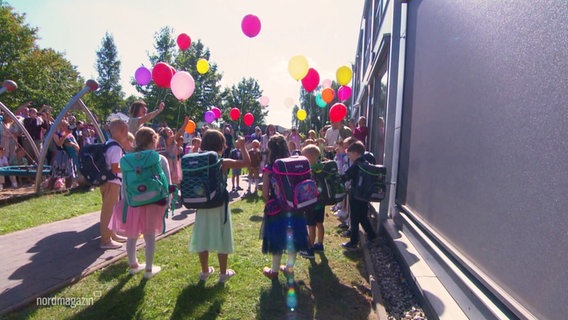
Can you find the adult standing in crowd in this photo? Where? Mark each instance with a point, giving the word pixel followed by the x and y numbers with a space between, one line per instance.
pixel 268 133
pixel 361 131
pixel 36 126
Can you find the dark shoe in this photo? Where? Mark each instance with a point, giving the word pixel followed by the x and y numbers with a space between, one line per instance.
pixel 318 247
pixel 308 254
pixel 239 188
pixel 343 226
pixel 346 234
pixel 349 245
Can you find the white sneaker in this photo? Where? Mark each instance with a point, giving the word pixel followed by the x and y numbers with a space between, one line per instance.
pixel 203 276
pixel 228 274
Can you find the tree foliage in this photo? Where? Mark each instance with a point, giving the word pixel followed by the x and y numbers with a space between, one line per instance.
pixel 244 96
pixel 109 96
pixel 43 75
pixel 316 117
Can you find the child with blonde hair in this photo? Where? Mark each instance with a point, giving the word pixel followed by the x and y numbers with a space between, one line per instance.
pixel 146 219
pixel 314 217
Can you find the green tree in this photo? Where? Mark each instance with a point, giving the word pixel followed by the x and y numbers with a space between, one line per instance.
pixel 244 96
pixel 43 75
pixel 109 96
pixel 316 117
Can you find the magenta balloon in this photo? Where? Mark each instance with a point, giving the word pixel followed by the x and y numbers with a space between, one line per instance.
pixel 209 116
pixel 311 80
pixel 217 112
pixel 250 25
pixel 143 76
pixel 344 92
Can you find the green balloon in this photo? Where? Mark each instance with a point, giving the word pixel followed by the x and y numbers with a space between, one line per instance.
pixel 319 101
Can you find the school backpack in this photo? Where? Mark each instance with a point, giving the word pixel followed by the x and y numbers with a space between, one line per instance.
pixel 370 183
pixel 331 189
pixel 92 163
pixel 292 183
pixel 143 179
pixel 203 184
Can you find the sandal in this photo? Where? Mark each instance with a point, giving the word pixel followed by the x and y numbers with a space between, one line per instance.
pixel 287 271
pixel 269 273
pixel 228 274
pixel 205 275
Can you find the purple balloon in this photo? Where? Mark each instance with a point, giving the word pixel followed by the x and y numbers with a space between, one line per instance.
pixel 143 76
pixel 209 116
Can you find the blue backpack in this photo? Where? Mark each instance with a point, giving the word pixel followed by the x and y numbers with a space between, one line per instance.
pixel 92 163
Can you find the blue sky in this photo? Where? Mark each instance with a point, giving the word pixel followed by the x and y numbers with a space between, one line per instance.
pixel 324 31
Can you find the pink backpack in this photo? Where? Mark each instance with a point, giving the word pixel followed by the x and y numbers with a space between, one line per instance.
pixel 292 183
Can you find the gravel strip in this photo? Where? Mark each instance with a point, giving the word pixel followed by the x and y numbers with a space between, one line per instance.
pixel 399 299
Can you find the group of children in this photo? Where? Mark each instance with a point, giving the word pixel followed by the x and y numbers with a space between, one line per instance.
pixel 289 231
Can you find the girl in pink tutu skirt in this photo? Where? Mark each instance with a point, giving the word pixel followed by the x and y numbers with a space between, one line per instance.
pixel 146 220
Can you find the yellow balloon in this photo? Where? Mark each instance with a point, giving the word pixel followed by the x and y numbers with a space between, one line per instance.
pixel 344 75
pixel 202 66
pixel 301 114
pixel 298 67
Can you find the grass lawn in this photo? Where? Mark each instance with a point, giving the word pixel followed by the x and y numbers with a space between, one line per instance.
pixel 333 286
pixel 48 208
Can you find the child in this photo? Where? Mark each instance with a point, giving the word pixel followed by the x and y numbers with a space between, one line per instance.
pixel 316 216
pixel 254 168
pixel 358 213
pixel 110 190
pixel 19 159
pixel 236 155
pixel 278 227
pixel 195 145
pixel 293 148
pixel 213 230
pixel 171 150
pixel 3 163
pixel 147 219
pixel 342 165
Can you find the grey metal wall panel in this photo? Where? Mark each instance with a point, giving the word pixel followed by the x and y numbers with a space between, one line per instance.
pixel 485 139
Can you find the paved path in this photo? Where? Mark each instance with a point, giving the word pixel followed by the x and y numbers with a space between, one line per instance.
pixel 42 259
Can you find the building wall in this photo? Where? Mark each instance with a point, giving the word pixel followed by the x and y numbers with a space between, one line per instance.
pixel 484 145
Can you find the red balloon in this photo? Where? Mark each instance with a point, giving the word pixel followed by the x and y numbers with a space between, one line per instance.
pixel 183 41
pixel 248 119
pixel 311 80
pixel 235 114
pixel 162 74
pixel 337 112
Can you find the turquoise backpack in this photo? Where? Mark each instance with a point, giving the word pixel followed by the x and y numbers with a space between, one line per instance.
pixel 144 182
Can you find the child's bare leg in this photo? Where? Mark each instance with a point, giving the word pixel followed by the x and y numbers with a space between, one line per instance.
pixel 131 252
pixel 204 261
pixel 320 230
pixel 222 262
pixel 311 235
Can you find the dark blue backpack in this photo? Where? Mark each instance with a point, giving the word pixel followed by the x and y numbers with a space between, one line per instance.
pixel 92 163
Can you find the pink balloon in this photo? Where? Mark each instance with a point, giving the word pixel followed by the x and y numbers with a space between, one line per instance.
pixel 182 85
pixel 217 112
pixel 311 80
pixel 250 25
pixel 326 83
pixel 344 92
pixel 143 76
pixel 209 116
pixel 263 101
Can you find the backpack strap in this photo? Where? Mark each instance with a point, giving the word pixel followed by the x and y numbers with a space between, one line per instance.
pixel 109 144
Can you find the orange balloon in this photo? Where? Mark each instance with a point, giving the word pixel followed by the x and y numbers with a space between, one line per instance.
pixel 327 95
pixel 190 127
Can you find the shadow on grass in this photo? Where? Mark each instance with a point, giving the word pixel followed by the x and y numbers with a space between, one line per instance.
pixel 332 299
pixel 198 296
pixel 253 197
pixel 116 301
pixel 255 218
pixel 273 302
